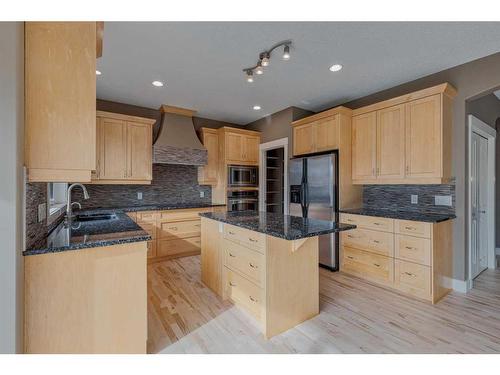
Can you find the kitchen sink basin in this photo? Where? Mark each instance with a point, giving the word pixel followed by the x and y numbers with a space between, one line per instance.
pixel 95 217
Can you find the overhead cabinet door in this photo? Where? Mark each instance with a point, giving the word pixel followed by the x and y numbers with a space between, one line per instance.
pixel 424 138
pixel 113 149
pixel 234 147
pixel 139 140
pixel 303 142
pixel 364 146
pixel 326 134
pixel 391 143
pixel 251 149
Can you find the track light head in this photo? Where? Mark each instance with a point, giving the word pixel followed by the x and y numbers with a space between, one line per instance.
pixel 286 53
pixel 249 77
pixel 264 59
pixel 259 69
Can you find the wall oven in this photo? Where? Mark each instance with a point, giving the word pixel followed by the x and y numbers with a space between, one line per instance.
pixel 242 176
pixel 243 200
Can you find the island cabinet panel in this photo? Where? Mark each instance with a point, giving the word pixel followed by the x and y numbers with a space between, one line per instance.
pixel 211 255
pixel 404 140
pixel 60 97
pixel 87 301
pixel 412 257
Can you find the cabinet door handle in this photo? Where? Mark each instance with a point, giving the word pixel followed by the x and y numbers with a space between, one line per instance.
pixel 350 236
pixel 350 257
pixel 350 220
pixel 409 248
pixel 252 299
pixel 252 240
pixel 232 284
pixel 231 233
pixel 377 223
pixel 410 274
pixel 173 228
pixel 410 228
pixel 407 168
pixel 378 171
pixel 376 241
pixel 197 225
pixel 376 265
pixel 232 256
pixel 252 265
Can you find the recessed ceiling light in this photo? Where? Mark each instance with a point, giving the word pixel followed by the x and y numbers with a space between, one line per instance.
pixel 98 73
pixel 157 83
pixel 335 68
pixel 256 108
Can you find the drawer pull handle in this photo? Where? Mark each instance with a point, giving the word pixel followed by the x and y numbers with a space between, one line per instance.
pixel 197 225
pixel 350 257
pixel 231 233
pixel 232 284
pixel 377 223
pixel 350 236
pixel 410 274
pixel 252 265
pixel 232 256
pixel 349 220
pixel 409 248
pixel 376 241
pixel 173 228
pixel 252 299
pixel 410 228
pixel 376 265
pixel 252 240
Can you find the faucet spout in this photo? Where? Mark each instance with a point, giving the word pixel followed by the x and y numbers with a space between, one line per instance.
pixel 69 205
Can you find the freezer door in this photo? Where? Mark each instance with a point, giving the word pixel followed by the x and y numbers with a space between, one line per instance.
pixel 296 180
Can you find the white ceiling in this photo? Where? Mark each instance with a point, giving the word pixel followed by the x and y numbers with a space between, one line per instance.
pixel 201 63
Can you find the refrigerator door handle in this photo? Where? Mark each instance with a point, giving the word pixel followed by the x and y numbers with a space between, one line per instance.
pixel 303 199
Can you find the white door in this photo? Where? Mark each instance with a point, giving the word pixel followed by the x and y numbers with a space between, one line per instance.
pixel 479 189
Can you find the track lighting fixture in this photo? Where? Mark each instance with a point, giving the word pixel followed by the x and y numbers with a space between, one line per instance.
pixel 265 59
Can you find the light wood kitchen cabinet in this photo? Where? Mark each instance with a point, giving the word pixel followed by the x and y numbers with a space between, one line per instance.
pixel 364 146
pixel 241 148
pixel 251 149
pixel 412 140
pixel 328 131
pixel 60 96
pixel 207 175
pixel 124 149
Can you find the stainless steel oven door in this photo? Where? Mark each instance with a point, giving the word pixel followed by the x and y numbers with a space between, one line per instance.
pixel 243 204
pixel 240 175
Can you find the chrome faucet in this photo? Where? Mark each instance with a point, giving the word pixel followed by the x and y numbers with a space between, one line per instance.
pixel 69 205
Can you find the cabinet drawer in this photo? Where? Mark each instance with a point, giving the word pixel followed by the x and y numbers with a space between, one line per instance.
pixel 374 241
pixel 413 279
pixel 368 222
pixel 413 249
pixel 244 293
pixel 182 215
pixel 245 237
pixel 151 249
pixel 145 216
pixel 243 260
pixel 179 229
pixel 413 228
pixel 177 247
pixel 374 267
pixel 150 228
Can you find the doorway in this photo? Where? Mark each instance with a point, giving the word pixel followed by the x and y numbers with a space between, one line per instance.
pixel 273 181
pixel 481 197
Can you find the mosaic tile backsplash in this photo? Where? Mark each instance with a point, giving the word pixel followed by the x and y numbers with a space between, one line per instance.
pixel 398 197
pixel 172 184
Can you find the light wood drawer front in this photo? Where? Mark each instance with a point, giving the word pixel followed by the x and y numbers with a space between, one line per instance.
pixel 181 215
pixel 368 222
pixel 175 247
pixel 151 249
pixel 365 239
pixel 366 265
pixel 146 216
pixel 179 229
pixel 413 279
pixel 245 237
pixel 413 228
pixel 244 293
pixel 413 249
pixel 248 262
pixel 150 228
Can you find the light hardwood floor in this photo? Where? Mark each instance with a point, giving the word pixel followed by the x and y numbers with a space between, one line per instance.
pixel 356 317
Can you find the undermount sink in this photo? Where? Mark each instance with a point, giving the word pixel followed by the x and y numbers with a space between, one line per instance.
pixel 95 217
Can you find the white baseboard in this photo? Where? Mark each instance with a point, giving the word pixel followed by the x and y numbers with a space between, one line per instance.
pixel 457 285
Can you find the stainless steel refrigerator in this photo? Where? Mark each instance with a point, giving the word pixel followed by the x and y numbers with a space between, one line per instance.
pixel 313 182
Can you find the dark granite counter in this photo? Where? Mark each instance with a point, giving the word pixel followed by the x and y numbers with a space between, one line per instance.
pixel 402 215
pixel 119 229
pixel 278 225
pixel 155 207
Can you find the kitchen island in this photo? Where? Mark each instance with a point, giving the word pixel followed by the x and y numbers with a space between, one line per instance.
pixel 265 263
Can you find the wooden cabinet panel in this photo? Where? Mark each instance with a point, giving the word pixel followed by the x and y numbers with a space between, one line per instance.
pixel 234 147
pixel 151 249
pixel 244 293
pixel 60 95
pixel 251 149
pixel 150 228
pixel 178 247
pixel 413 249
pixel 113 149
pixel 370 266
pixel 326 134
pixel 303 140
pixel 245 237
pixel 180 229
pixel 364 146
pixel 391 143
pixel 424 143
pixel 413 228
pixel 369 240
pixel 412 278
pixel 139 151
pixel 207 175
pixel 247 262
pixel 211 255
pixel 369 222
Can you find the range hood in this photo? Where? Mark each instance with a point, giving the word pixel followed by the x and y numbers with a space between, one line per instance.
pixel 177 142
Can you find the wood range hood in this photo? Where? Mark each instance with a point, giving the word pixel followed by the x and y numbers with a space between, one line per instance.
pixel 177 142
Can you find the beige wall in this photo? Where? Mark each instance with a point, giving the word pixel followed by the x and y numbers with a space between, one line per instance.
pixel 11 188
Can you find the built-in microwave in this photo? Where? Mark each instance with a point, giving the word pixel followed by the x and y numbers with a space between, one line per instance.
pixel 242 176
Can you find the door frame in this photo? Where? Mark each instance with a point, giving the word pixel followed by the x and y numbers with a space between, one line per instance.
pixel 263 147
pixel 479 127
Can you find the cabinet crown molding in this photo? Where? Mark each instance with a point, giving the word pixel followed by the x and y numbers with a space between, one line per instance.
pixel 120 116
pixel 177 110
pixel 324 114
pixel 229 129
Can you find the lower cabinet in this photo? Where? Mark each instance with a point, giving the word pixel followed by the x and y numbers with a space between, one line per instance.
pixel 411 257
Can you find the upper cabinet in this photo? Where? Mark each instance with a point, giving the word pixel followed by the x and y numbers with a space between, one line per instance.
pixel 207 175
pixel 405 140
pixel 124 149
pixel 241 146
pixel 315 136
pixel 60 97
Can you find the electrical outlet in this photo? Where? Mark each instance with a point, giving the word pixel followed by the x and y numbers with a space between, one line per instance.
pixel 42 212
pixel 139 195
pixel 414 199
pixel 202 194
pixel 220 228
pixel 442 200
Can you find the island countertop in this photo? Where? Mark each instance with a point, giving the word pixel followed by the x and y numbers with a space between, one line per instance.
pixel 278 225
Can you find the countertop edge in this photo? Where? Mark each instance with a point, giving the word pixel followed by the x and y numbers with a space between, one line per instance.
pixel 400 215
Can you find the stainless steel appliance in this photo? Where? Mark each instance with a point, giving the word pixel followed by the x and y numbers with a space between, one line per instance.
pixel 243 200
pixel 313 184
pixel 242 176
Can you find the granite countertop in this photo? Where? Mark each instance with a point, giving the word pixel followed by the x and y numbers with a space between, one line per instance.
pixel 154 207
pixel 402 215
pixel 278 225
pixel 82 235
